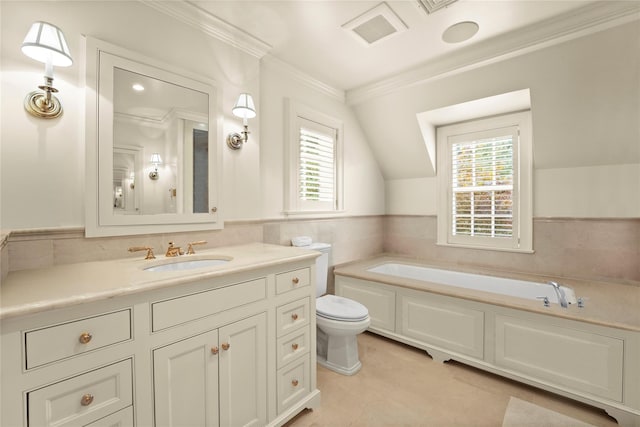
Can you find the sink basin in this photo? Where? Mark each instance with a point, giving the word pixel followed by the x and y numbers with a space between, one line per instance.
pixel 187 265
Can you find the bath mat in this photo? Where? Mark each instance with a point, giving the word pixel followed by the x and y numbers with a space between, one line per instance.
pixel 524 414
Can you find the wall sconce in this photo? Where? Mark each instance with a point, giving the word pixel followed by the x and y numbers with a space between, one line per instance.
pixel 244 109
pixel 132 177
pixel 46 43
pixel 155 160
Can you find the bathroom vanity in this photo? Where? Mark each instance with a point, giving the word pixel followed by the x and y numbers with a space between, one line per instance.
pixel 108 343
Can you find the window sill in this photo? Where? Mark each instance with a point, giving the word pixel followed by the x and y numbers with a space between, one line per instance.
pixel 487 248
pixel 313 214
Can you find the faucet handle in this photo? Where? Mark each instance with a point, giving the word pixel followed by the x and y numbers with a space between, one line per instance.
pixel 149 250
pixel 190 250
pixel 545 300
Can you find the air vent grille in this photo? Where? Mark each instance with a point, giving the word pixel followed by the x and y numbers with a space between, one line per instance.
pixel 431 6
pixel 375 24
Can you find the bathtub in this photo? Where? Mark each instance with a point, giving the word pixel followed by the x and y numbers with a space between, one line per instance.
pixel 478 282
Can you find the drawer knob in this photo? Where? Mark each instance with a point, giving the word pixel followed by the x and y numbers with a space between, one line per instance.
pixel 226 346
pixel 85 337
pixel 295 280
pixel 294 383
pixel 294 347
pixel 214 350
pixel 86 400
pixel 294 316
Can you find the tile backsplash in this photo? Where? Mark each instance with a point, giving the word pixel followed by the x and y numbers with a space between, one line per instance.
pixel 606 249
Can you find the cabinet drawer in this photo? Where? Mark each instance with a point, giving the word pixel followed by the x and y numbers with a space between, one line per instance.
pixel 293 384
pixel 292 280
pixel 79 336
pixel 82 399
pixel 292 346
pixel 292 316
pixel 195 306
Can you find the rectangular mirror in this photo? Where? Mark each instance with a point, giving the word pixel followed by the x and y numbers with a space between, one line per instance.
pixel 153 150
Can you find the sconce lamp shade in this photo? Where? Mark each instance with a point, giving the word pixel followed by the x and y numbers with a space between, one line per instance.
pixel 46 43
pixel 156 159
pixel 244 107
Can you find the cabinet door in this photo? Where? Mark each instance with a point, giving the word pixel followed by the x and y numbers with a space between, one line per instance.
pixel 243 372
pixel 186 382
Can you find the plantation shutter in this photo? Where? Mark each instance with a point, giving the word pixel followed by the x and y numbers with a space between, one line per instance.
pixel 482 184
pixel 317 163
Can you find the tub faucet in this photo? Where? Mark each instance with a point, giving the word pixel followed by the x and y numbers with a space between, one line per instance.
pixel 562 299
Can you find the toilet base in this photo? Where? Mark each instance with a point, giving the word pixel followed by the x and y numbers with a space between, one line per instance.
pixel 338 353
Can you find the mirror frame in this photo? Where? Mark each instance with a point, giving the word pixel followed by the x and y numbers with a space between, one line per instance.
pixel 100 219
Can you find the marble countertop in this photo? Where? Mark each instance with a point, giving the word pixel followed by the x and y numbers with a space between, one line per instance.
pixel 32 291
pixel 606 303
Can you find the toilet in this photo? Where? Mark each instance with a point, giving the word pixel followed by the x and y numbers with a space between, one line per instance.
pixel 339 320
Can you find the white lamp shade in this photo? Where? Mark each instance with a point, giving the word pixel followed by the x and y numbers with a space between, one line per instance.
pixel 245 107
pixel 156 159
pixel 46 43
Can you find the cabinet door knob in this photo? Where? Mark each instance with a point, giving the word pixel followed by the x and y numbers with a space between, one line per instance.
pixel 294 316
pixel 85 337
pixel 294 383
pixel 214 350
pixel 86 400
pixel 226 346
pixel 294 347
pixel 295 280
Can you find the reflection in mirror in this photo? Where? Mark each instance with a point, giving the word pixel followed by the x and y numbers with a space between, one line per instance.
pixel 138 108
pixel 166 119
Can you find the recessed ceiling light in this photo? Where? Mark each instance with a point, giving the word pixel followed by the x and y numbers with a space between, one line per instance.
pixel 138 87
pixel 460 32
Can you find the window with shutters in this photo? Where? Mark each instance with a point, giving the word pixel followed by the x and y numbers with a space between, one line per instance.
pixel 315 161
pixel 484 180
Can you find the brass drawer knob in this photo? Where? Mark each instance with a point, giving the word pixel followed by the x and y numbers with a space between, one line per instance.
pixel 294 383
pixel 294 316
pixel 85 337
pixel 295 280
pixel 226 346
pixel 214 350
pixel 294 347
pixel 86 400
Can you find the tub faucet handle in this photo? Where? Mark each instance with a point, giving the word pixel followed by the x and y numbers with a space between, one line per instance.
pixel 545 300
pixel 581 301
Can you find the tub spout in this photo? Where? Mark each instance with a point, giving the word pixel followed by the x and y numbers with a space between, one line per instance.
pixel 562 298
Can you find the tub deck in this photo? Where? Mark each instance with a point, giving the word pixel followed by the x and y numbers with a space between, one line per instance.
pixel 606 303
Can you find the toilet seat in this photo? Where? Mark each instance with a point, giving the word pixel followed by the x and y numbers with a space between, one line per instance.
pixel 342 309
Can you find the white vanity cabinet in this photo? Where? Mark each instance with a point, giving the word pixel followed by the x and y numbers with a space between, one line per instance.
pixel 215 378
pixel 235 349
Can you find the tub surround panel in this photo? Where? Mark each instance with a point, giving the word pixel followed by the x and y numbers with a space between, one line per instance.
pixel 606 249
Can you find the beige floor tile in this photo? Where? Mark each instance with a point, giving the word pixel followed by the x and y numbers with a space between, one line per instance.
pixel 399 385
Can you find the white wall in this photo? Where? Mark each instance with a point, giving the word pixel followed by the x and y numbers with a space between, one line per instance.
pixel 43 162
pixel 585 96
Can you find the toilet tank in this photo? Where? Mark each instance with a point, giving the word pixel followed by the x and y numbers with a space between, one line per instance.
pixel 322 266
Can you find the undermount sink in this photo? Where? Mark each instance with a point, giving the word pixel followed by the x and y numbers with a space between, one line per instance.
pixel 187 265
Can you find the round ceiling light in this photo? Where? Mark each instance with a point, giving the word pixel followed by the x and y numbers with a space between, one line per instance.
pixel 460 32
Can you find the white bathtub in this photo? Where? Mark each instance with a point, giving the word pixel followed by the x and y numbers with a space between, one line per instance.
pixel 497 285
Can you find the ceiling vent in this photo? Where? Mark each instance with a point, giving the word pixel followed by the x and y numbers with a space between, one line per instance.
pixel 375 24
pixel 431 6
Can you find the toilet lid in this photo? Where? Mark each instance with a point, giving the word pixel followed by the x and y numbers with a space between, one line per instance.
pixel 338 308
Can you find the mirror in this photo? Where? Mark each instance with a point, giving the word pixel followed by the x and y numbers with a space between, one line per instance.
pixel 155 146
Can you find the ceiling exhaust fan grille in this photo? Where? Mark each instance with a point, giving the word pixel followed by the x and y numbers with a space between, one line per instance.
pixel 431 6
pixel 375 24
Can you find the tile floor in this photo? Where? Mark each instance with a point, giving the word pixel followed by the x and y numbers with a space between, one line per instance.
pixel 399 385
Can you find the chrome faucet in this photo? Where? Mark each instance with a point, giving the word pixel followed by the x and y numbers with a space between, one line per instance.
pixel 562 299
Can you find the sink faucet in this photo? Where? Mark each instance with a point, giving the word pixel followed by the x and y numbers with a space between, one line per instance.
pixel 562 299
pixel 173 250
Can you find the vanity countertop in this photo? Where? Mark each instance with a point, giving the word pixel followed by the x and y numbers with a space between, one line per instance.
pixel 609 304
pixel 31 291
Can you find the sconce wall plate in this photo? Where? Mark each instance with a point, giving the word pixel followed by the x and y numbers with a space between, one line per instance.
pixel 154 175
pixel 234 141
pixel 43 104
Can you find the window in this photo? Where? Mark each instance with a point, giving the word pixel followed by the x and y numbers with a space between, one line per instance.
pixel 484 182
pixel 315 161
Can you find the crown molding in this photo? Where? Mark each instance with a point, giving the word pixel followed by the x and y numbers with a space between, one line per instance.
pixel 595 17
pixel 211 25
pixel 304 78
